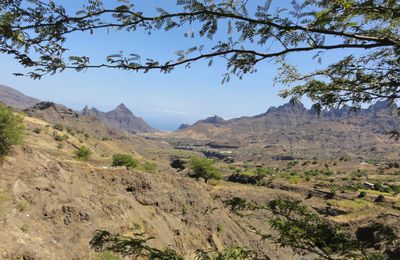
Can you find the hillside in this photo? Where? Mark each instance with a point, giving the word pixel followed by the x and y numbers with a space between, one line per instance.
pixel 121 118
pixel 293 130
pixel 53 201
pixel 14 98
pixel 50 200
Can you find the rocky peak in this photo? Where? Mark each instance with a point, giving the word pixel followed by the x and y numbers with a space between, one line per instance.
pixel 291 107
pixel 183 126
pixel 122 108
pixel 216 120
pixel 121 118
pixel 44 105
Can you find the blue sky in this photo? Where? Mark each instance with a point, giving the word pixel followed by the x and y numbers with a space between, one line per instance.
pixel 164 101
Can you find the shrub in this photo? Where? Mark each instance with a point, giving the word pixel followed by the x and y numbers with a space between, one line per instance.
pixel 362 194
pixel 37 130
pixel 380 198
pixel 11 129
pixel 70 131
pixel 83 153
pixel 58 138
pixel 58 127
pixel 204 168
pixel 124 160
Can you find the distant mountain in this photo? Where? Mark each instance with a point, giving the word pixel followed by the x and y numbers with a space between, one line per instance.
pixel 121 118
pixel 215 120
pixel 58 114
pixel 16 99
pixel 291 129
pixel 183 126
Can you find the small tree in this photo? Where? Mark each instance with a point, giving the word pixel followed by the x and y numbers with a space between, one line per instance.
pixel 124 160
pixel 83 153
pixel 11 129
pixel 204 168
pixel 135 246
pixel 302 230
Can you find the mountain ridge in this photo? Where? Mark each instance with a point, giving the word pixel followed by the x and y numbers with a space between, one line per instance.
pixel 120 117
pixel 14 98
pixel 293 130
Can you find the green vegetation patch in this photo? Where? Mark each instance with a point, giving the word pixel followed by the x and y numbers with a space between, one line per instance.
pixel 204 168
pixel 353 205
pixel 83 153
pixel 124 160
pixel 12 129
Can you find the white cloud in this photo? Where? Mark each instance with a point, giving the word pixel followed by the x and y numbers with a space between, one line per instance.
pixel 170 111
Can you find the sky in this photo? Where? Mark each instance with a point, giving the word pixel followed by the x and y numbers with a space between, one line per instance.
pixel 163 100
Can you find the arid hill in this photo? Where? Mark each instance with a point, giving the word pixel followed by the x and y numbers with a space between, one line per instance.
pixel 293 130
pixel 16 99
pixel 51 203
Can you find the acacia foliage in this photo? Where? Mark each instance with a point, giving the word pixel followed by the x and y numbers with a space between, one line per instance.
pixel 12 129
pixel 35 32
pixel 302 230
pixel 204 168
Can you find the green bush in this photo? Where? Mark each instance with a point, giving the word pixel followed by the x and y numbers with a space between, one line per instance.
pixel 59 127
pixel 124 160
pixel 37 130
pixel 58 138
pixel 83 153
pixel 204 168
pixel 11 129
pixel 362 194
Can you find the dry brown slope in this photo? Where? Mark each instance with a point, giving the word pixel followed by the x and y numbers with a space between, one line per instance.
pixel 51 208
pixel 51 204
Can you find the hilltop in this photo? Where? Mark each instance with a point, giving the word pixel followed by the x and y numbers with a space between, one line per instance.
pixel 14 98
pixel 121 118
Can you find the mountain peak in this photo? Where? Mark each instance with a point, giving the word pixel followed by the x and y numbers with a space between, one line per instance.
pixel 122 107
pixel 382 105
pixel 291 107
pixel 216 120
pixel 183 126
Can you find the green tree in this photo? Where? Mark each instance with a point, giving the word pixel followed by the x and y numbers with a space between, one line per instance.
pixel 34 32
pixel 11 129
pixel 302 230
pixel 83 153
pixel 124 160
pixel 204 168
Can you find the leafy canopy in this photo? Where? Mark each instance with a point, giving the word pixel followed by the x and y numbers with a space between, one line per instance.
pixel 11 129
pixel 34 32
pixel 204 168
pixel 135 246
pixel 302 230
